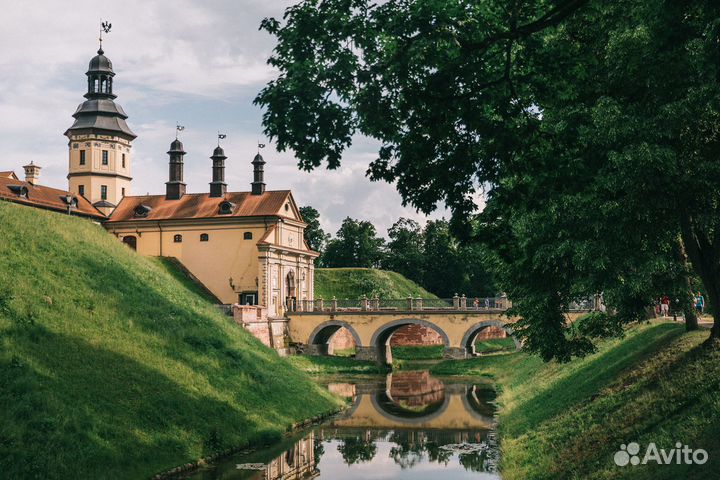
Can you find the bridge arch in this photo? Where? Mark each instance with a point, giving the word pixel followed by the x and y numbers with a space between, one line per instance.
pixel 381 337
pixel 468 340
pixel 321 335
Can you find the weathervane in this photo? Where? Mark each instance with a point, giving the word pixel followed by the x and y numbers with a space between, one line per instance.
pixel 104 27
pixel 178 128
pixel 221 136
pixel 260 145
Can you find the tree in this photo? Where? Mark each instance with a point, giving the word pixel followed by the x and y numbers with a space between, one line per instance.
pixel 591 126
pixel 444 269
pixel 356 245
pixel 405 250
pixel 315 236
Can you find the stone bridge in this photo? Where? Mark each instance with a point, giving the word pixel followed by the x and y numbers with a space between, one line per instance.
pixel 310 332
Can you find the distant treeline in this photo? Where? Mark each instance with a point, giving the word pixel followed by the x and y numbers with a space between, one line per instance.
pixel 430 256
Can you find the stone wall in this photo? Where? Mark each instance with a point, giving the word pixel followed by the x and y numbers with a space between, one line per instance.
pixel 415 335
pixel 271 332
pixel 491 332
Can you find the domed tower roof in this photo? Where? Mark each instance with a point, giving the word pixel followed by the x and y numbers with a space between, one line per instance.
pixel 176 147
pixel 99 113
pixel 100 63
pixel 218 152
pixel 258 159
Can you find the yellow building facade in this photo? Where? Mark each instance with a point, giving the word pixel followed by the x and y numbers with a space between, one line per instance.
pixel 255 254
pixel 243 247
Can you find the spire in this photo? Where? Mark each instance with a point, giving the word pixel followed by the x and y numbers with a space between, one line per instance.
pixel 258 184
pixel 175 188
pixel 218 187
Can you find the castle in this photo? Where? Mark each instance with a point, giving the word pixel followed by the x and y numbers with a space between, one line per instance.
pixel 244 247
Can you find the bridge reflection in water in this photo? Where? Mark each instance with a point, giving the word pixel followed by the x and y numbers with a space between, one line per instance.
pixel 409 426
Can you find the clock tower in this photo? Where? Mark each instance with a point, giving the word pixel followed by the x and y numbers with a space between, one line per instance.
pixel 100 141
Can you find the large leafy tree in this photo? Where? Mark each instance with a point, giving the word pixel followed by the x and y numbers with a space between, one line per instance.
pixel 355 245
pixel 405 250
pixel 591 126
pixel 315 236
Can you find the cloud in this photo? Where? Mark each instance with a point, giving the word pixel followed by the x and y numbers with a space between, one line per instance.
pixel 197 63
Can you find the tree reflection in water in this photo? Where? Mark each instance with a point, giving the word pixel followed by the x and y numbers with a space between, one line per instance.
pixel 357 449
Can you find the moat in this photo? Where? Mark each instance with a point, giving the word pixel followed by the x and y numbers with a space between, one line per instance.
pixel 408 425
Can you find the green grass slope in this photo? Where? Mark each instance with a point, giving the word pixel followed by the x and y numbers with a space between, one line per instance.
pixel 113 365
pixel 353 283
pixel 658 384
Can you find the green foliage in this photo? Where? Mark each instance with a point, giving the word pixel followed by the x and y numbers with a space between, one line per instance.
pixel 424 352
pixel 319 365
pixel 562 421
pixel 405 250
pixel 353 283
pixel 591 128
pixel 356 245
pixel 114 365
pixel 315 236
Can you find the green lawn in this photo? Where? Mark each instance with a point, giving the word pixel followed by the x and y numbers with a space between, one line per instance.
pixel 321 365
pixel 353 283
pixel 493 345
pixel 419 352
pixel 115 366
pixel 567 421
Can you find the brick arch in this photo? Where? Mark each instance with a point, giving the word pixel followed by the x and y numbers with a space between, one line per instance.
pixel 381 337
pixel 468 340
pixel 377 405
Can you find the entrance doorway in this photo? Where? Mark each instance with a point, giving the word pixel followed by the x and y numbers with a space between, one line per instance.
pixel 290 295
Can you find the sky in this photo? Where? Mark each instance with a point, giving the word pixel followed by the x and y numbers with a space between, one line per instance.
pixel 199 64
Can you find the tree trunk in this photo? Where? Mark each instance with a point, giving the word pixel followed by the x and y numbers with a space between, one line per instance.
pixel 704 254
pixel 691 320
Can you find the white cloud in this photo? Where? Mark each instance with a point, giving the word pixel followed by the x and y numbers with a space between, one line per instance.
pixel 197 63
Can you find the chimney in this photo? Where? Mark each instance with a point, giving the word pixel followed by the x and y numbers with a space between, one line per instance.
pixel 218 187
pixel 175 188
pixel 258 184
pixel 32 173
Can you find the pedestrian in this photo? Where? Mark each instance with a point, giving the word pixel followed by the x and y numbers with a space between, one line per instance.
pixel 476 303
pixel 699 303
pixel 665 306
pixel 487 303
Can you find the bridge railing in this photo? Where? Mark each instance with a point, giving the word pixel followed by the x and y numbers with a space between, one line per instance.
pixel 401 304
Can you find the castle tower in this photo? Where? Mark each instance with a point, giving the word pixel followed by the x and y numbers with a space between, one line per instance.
pixel 258 184
pixel 175 187
pixel 99 141
pixel 218 187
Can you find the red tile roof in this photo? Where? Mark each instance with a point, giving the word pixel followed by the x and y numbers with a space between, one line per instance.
pixel 202 205
pixel 8 174
pixel 44 197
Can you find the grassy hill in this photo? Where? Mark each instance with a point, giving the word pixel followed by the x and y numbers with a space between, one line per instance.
pixel 353 283
pixel 566 421
pixel 115 366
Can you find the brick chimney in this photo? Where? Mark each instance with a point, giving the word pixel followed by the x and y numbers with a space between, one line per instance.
pixel 32 173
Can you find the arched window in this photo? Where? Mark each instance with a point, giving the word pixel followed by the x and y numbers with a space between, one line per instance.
pixel 204 237
pixel 226 208
pixel 130 241
pixel 177 239
pixel 247 236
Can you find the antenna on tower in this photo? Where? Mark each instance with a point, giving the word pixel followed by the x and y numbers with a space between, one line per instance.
pixel 104 27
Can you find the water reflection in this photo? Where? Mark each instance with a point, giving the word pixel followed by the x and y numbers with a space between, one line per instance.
pixel 411 425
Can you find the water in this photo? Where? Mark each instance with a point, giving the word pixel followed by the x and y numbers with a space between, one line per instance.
pixel 409 425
